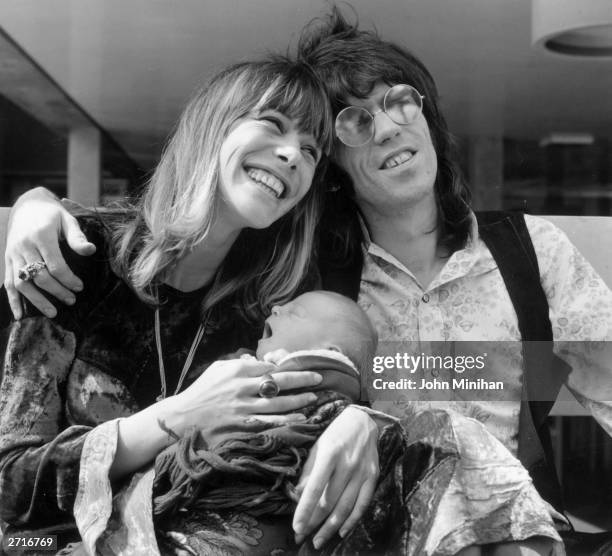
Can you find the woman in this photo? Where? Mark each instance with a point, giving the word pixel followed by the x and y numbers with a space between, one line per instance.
pixel 222 232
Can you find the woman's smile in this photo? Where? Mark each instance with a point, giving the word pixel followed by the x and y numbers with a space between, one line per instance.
pixel 267 180
pixel 265 154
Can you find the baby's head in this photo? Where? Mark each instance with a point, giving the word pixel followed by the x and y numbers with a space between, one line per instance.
pixel 320 320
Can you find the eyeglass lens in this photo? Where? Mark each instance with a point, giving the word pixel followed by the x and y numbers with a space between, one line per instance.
pixel 355 125
pixel 402 104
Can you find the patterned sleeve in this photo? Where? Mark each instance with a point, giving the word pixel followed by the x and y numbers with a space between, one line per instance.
pixel 581 316
pixel 49 473
pixel 39 455
pixel 41 440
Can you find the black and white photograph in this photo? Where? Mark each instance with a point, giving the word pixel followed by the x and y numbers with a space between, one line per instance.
pixel 317 277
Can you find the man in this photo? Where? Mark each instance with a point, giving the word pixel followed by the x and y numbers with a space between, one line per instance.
pixel 423 268
pixel 414 253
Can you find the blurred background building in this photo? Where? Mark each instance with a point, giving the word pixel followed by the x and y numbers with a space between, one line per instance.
pixel 90 89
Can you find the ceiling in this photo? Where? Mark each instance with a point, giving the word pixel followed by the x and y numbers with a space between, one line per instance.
pixel 131 64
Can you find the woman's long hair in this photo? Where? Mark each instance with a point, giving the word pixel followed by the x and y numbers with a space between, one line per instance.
pixel 177 208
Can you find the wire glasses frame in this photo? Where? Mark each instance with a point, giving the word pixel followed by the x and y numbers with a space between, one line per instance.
pixel 355 125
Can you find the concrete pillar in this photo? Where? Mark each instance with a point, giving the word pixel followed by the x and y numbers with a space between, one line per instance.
pixel 485 160
pixel 84 165
pixel 4 193
pixel 485 139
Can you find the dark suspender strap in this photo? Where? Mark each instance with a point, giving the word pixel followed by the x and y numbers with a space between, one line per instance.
pixel 508 239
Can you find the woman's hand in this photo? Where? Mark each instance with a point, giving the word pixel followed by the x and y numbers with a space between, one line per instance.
pixel 339 477
pixel 37 223
pixel 224 399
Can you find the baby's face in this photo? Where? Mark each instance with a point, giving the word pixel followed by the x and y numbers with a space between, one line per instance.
pixel 298 325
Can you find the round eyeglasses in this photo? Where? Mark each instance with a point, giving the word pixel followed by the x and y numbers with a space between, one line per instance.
pixel 355 125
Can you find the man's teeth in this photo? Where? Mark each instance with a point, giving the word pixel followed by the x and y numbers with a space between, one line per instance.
pixel 398 159
pixel 267 179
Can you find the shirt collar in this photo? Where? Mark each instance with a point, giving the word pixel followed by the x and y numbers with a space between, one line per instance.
pixel 473 235
pixel 367 240
pixel 472 240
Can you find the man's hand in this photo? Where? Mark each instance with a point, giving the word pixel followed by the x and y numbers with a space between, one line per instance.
pixel 37 223
pixel 339 477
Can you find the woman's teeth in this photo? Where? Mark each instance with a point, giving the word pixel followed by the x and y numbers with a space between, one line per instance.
pixel 270 181
pixel 397 159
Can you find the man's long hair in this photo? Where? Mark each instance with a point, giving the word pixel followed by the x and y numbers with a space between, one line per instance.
pixel 351 62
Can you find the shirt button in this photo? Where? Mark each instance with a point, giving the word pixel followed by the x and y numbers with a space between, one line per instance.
pixel 425 298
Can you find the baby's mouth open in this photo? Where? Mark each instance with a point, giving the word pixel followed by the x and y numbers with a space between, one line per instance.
pixel 267 331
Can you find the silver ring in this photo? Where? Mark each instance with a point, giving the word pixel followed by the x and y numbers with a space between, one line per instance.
pixel 29 271
pixel 268 388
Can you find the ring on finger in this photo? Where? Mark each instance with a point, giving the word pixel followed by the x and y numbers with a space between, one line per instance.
pixel 268 387
pixel 29 271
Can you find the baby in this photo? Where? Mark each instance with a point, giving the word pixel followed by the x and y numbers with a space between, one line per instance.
pixel 253 471
pixel 320 330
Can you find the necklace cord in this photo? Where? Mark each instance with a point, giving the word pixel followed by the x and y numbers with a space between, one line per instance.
pixel 188 360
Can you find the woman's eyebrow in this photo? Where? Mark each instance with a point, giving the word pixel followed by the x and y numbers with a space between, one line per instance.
pixel 276 111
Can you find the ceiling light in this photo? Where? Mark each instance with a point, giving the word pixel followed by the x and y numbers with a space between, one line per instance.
pixel 573 27
pixel 567 138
